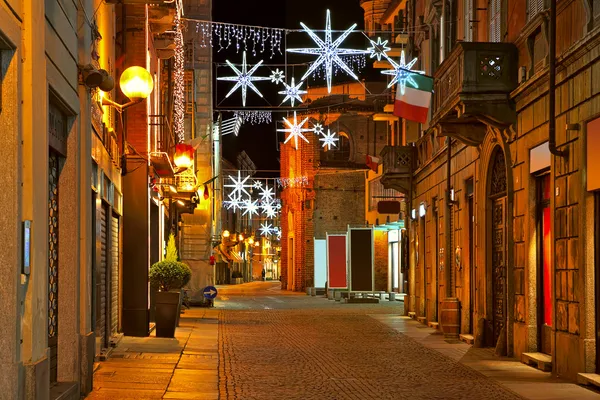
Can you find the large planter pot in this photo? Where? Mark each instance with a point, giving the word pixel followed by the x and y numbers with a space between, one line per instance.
pixel 167 305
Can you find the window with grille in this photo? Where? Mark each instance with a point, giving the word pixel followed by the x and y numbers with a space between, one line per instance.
pixel 378 193
pixel 495 11
pixel 534 7
pixel 468 25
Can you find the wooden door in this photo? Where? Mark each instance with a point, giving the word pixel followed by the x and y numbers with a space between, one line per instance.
pixel 544 275
pixel 53 270
pixel 498 265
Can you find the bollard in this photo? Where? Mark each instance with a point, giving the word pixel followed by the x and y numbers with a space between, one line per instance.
pixel 392 296
pixel 308 291
pixel 337 296
pixel 330 294
pixel 313 291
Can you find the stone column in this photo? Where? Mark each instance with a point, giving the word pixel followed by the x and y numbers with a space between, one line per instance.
pixel 10 209
pixel 35 199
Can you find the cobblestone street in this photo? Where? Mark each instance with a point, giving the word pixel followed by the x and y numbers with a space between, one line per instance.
pixel 263 343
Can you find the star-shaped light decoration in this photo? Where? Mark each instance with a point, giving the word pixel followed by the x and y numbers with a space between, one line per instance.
pixel 402 72
pixel 277 76
pixel 239 186
pixel 295 130
pixel 329 139
pixel 265 229
pixel 329 52
pixel 250 207
pixel 257 184
pixel 268 209
pixel 292 92
pixel 378 48
pixel 232 203
pixel 244 78
pixel 318 129
pixel 267 193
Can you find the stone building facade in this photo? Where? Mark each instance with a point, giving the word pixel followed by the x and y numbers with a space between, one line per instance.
pixel 520 260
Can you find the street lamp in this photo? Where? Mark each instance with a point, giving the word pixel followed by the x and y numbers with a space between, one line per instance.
pixel 136 83
pixel 225 233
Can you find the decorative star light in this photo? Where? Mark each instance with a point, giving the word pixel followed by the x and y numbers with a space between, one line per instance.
pixel 318 129
pixel 295 130
pixel 232 203
pixel 292 92
pixel 402 72
pixel 329 139
pixel 329 52
pixel 250 207
pixel 271 213
pixel 267 193
pixel 268 210
pixel 378 48
pixel 265 229
pixel 257 184
pixel 243 78
pixel 277 76
pixel 239 186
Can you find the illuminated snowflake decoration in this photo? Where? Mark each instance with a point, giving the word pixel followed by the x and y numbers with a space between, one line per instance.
pixel 257 185
pixel 239 186
pixel 329 52
pixel 243 78
pixel 292 92
pixel 250 207
pixel 329 139
pixel 295 130
pixel 402 72
pixel 378 48
pixel 232 203
pixel 268 209
pixel 277 76
pixel 265 229
pixel 318 129
pixel 267 193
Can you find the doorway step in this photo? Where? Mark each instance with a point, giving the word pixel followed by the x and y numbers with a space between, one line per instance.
pixel 588 379
pixel 540 361
pixel 467 338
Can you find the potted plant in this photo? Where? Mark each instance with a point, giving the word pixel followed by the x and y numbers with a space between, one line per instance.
pixel 237 277
pixel 168 277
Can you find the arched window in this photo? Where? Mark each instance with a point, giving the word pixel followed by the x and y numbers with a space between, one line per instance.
pixel 339 153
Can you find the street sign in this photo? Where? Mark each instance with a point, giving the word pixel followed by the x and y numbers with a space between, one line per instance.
pixel 210 292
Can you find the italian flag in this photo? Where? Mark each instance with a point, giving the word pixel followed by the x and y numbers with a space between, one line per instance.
pixel 413 104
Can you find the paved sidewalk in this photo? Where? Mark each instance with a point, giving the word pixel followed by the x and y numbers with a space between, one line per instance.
pixel 519 378
pixel 185 367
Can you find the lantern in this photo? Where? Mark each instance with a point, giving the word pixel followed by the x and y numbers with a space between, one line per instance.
pixel 184 155
pixel 136 83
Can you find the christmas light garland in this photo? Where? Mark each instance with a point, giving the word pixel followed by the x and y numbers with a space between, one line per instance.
pixel 254 116
pixel 223 35
pixel 179 84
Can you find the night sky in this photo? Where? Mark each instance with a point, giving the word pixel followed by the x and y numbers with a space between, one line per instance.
pixel 260 141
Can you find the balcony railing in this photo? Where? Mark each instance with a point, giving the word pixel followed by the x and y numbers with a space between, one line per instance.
pixel 162 144
pixel 473 69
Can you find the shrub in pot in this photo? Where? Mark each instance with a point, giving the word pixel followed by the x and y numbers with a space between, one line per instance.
pixel 168 277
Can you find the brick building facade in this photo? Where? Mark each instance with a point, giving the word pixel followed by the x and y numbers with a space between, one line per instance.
pixel 521 258
pixel 333 195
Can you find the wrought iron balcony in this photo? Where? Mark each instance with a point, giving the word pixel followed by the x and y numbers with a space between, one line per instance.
pixel 472 87
pixel 398 167
pixel 162 144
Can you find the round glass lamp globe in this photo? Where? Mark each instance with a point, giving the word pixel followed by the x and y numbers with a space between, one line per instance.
pixel 136 83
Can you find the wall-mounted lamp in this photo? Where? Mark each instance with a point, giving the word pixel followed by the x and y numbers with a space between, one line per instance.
pixel 226 233
pixel 256 244
pixel 240 237
pixel 250 241
pixel 422 210
pixel 180 202
pixel 413 214
pixel 136 83
pixel 184 156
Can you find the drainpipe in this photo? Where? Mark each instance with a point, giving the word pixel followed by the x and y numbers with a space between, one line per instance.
pixel 448 226
pixel 552 86
pixel 443 33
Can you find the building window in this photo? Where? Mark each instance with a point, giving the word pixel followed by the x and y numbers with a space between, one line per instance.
pixel 468 25
pixel 495 11
pixel 534 7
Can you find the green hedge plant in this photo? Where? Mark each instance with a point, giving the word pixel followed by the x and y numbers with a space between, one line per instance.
pixel 169 275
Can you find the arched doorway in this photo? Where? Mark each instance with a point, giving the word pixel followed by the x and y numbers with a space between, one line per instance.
pixel 497 194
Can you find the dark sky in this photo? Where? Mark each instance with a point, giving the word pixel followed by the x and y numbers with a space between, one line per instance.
pixel 260 141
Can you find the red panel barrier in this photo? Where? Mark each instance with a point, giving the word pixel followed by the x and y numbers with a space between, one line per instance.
pixel 337 271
